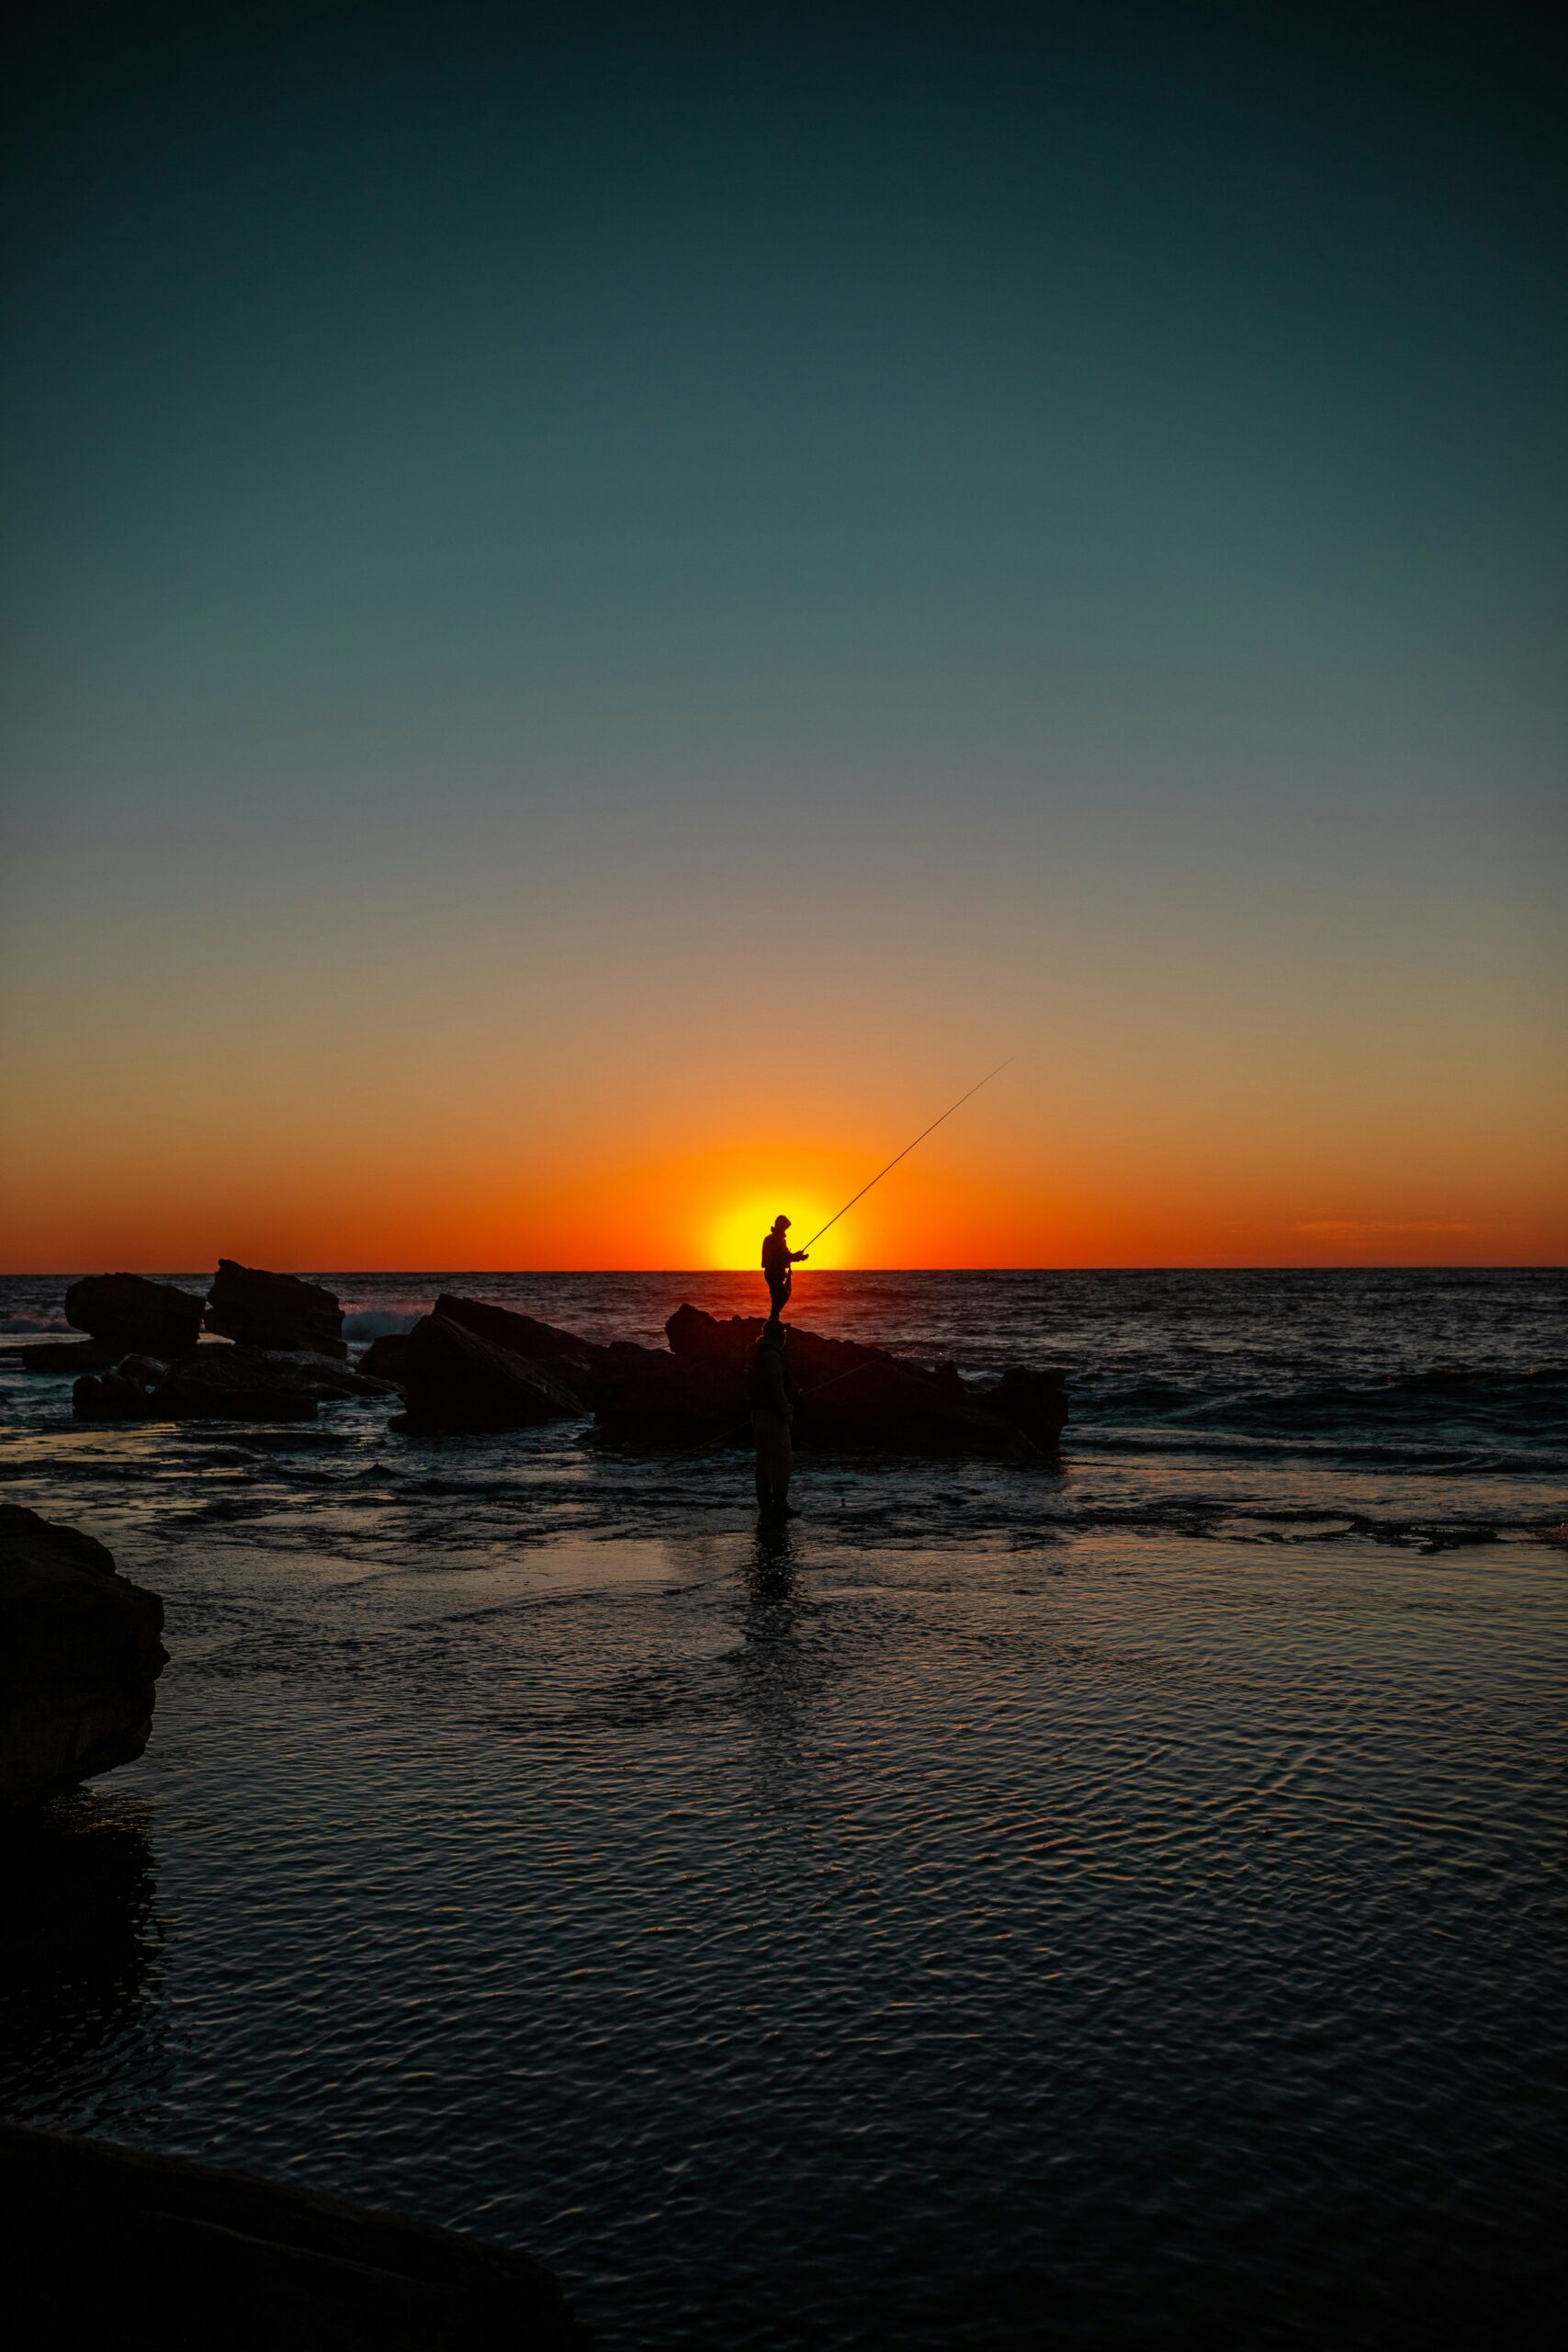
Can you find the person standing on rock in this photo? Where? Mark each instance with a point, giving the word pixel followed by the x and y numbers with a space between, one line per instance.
pixel 778 1259
pixel 767 1393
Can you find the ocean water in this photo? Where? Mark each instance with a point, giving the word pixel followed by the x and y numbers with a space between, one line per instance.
pixel 1118 1901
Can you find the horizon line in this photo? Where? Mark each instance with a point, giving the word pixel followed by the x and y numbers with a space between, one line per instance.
pixel 684 1273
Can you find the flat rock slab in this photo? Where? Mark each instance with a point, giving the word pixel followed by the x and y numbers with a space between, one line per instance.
pixel 129 1311
pixel 233 2261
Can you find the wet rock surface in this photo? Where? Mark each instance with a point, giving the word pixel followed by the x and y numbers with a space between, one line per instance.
pixel 565 1355
pixel 230 1385
pixel 267 1310
pixel 248 2263
pixel 125 1312
pixel 456 1381
pixel 80 1652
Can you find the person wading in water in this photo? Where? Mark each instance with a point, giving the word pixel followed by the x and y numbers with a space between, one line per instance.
pixel 778 1259
pixel 767 1393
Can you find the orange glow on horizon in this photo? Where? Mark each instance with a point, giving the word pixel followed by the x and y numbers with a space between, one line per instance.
pixel 1068 1166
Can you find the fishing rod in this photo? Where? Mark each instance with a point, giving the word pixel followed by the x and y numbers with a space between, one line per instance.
pixel 909 1147
pixel 707 1444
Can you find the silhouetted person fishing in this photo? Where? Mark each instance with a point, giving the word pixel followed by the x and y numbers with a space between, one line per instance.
pixel 778 1259
pixel 772 1409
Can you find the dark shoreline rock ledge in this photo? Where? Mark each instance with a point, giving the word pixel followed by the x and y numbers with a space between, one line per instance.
pixel 223 1384
pixel 250 2265
pixel 264 1310
pixel 81 1649
pixel 129 1313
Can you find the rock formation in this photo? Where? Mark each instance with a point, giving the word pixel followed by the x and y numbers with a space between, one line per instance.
pixel 128 1311
pixel 229 1385
pixel 111 1396
pixel 565 1355
pixel 263 1310
pixel 79 1654
pixel 454 1380
pixel 848 1397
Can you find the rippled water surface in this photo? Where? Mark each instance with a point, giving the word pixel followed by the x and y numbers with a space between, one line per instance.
pixel 1115 1903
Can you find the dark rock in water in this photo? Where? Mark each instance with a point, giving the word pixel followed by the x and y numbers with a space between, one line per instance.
pixel 127 1311
pixel 566 1357
pixel 648 1397
pixel 222 1383
pixel 315 1376
pixel 263 1310
pixel 848 1397
pixel 229 1384
pixel 384 1359
pixel 64 1355
pixel 455 1380
pixel 248 2264
pixel 1035 1401
pixel 79 1654
pixel 112 1396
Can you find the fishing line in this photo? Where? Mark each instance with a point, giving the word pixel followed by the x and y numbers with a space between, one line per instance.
pixel 909 1147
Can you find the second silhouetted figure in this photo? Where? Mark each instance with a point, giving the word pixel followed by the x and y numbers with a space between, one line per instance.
pixel 778 1259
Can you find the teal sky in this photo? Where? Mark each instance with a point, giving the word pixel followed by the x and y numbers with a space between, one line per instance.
pixel 1067 518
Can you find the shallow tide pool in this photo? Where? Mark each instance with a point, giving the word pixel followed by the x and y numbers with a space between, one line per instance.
pixel 1100 1940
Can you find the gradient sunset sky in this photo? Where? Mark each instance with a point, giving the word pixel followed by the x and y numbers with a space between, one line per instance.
pixel 603 615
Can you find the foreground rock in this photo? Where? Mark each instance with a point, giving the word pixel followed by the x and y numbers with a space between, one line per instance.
pixel 264 1310
pixel 849 1398
pixel 129 1312
pixel 248 2264
pixel 79 1651
pixel 454 1381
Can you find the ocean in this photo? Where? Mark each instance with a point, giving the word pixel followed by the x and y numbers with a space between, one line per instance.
pixel 1108 1902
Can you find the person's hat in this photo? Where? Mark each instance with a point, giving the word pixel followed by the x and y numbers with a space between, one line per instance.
pixel 778 1221
pixel 775 1333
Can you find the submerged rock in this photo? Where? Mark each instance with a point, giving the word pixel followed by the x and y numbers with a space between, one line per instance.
pixel 265 1310
pixel 455 1380
pixel 565 1355
pixel 111 1396
pixel 128 1311
pixel 79 1651
pixel 248 2264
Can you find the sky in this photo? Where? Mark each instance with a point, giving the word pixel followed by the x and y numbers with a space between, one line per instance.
pixel 604 611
